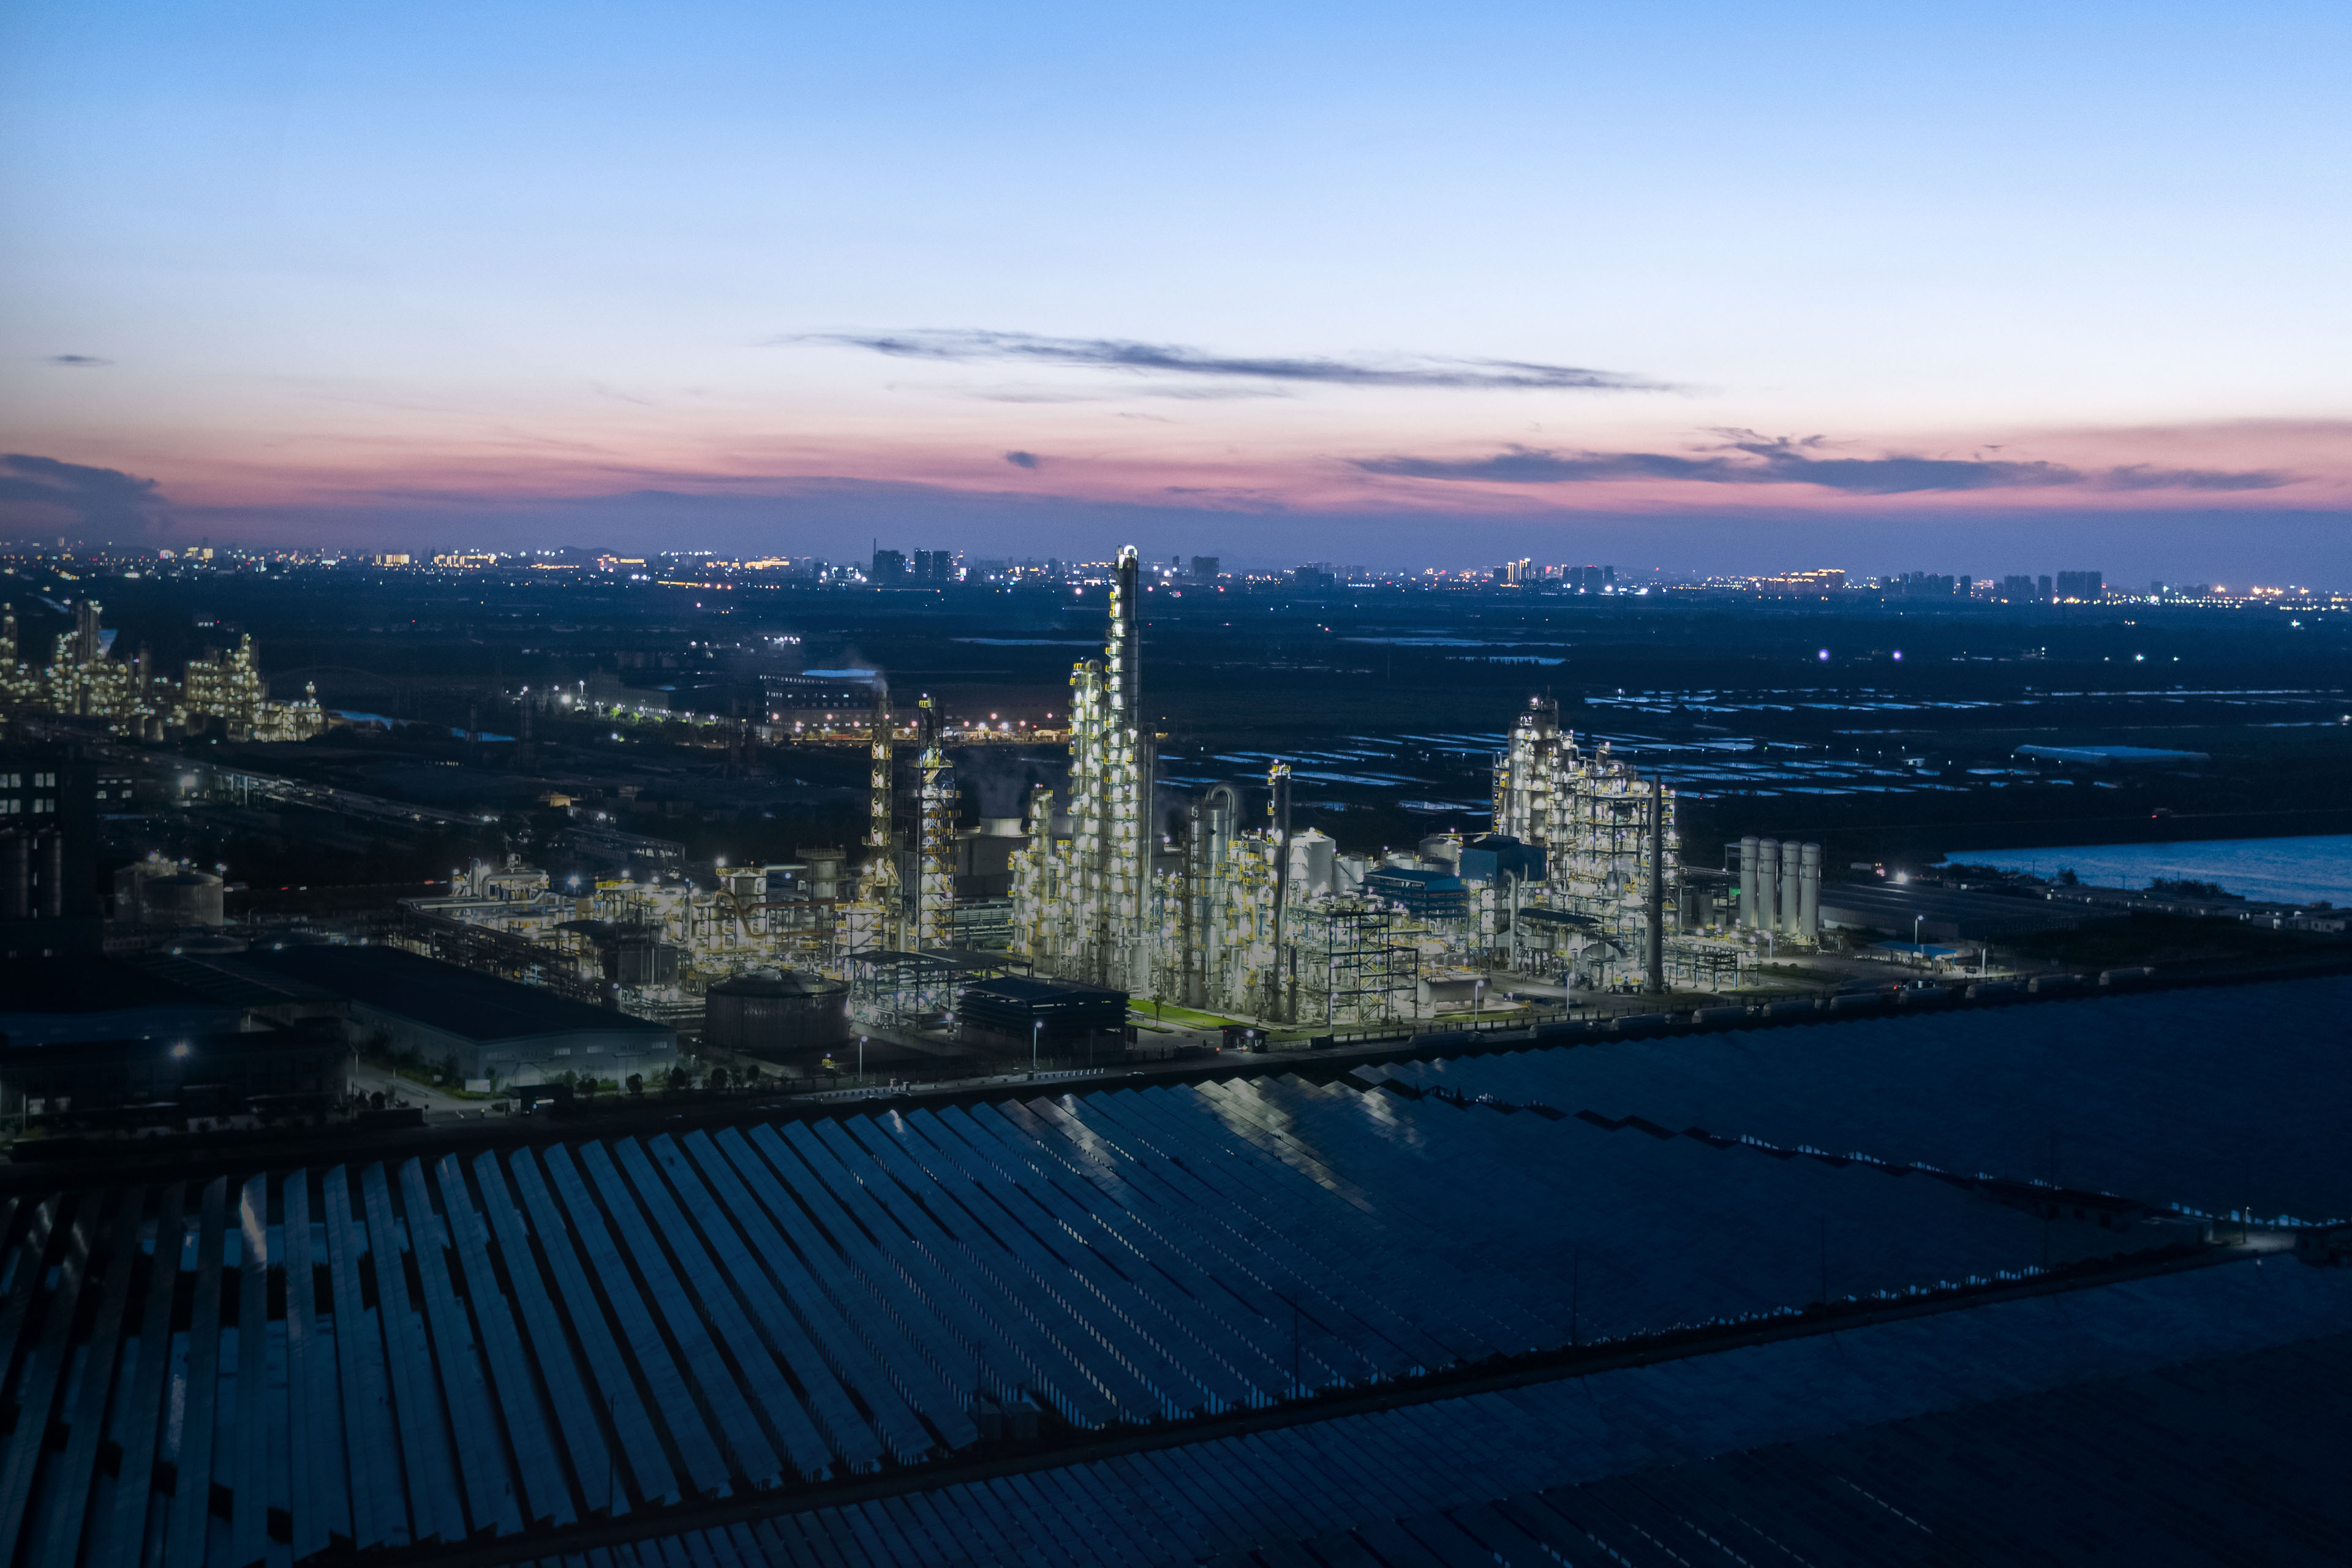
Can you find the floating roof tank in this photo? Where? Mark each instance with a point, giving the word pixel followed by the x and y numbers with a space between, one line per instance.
pixel 776 1017
pixel 181 899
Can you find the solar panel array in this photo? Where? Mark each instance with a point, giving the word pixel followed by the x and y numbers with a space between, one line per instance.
pixel 2047 1419
pixel 249 1369
pixel 2175 1097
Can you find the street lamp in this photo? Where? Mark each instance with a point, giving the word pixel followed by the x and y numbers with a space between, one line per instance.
pixel 1037 1028
pixel 861 1061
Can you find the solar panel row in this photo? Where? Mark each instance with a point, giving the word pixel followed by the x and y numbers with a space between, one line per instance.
pixel 393 1354
pixel 2183 1419
pixel 2119 1093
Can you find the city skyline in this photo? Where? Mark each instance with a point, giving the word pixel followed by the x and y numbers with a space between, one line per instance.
pixel 1694 290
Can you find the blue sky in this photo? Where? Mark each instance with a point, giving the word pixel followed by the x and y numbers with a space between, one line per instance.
pixel 1252 278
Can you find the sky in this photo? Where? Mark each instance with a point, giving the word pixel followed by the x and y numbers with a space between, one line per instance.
pixel 1735 288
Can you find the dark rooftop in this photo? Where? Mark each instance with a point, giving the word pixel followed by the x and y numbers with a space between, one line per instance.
pixel 87 984
pixel 478 1006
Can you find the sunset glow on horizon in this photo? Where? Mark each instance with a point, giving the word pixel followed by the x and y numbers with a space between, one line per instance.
pixel 1285 285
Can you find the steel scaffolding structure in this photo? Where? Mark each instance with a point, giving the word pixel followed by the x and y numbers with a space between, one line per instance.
pixel 1082 904
pixel 1610 843
pixel 873 922
pixel 1355 961
pixel 936 804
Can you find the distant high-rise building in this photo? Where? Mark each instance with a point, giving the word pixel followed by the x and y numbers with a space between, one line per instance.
pixel 1922 586
pixel 1587 579
pixel 2017 589
pixel 2083 585
pixel 934 565
pixel 1205 568
pixel 2045 581
pixel 890 566
pixel 1820 580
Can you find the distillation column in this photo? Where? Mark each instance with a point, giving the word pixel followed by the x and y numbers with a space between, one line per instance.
pixel 878 892
pixel 935 838
pixel 1281 986
pixel 1767 884
pixel 1653 980
pixel 1127 882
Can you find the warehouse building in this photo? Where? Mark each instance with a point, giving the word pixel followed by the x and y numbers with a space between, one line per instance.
pixel 491 1028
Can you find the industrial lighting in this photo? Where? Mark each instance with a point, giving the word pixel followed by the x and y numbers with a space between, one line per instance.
pixel 181 1048
pixel 1826 655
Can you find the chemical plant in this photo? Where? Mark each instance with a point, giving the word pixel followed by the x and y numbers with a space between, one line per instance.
pixel 82 679
pixel 1119 884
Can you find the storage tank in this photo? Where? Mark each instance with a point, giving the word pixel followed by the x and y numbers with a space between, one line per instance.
pixel 181 899
pixel 776 1017
pixel 1313 855
pixel 1809 908
pixel 1443 849
pixel 825 872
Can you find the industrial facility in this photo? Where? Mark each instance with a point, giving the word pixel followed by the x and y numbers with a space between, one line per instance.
pixel 1576 885
pixel 83 679
pixel 1227 912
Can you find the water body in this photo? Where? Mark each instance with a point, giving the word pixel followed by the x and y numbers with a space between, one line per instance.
pixel 2287 870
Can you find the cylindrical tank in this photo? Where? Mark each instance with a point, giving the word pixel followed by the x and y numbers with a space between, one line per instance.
pixel 1444 849
pixel 1748 916
pixel 776 1017
pixel 825 872
pixel 181 899
pixel 53 874
pixel 17 875
pixel 1809 911
pixel 1313 857
pixel 1767 884
pixel 1792 878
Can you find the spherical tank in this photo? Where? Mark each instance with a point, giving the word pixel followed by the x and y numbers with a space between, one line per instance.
pixel 776 1017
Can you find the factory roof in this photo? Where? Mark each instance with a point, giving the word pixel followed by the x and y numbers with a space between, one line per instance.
pixel 1945 912
pixel 456 1001
pixel 86 984
pixel 1439 881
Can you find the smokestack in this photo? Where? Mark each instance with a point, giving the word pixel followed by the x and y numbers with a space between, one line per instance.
pixel 1748 852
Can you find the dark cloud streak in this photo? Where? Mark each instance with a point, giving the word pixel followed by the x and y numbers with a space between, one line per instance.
pixel 97 499
pixel 1759 460
pixel 1167 359
pixel 1024 459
